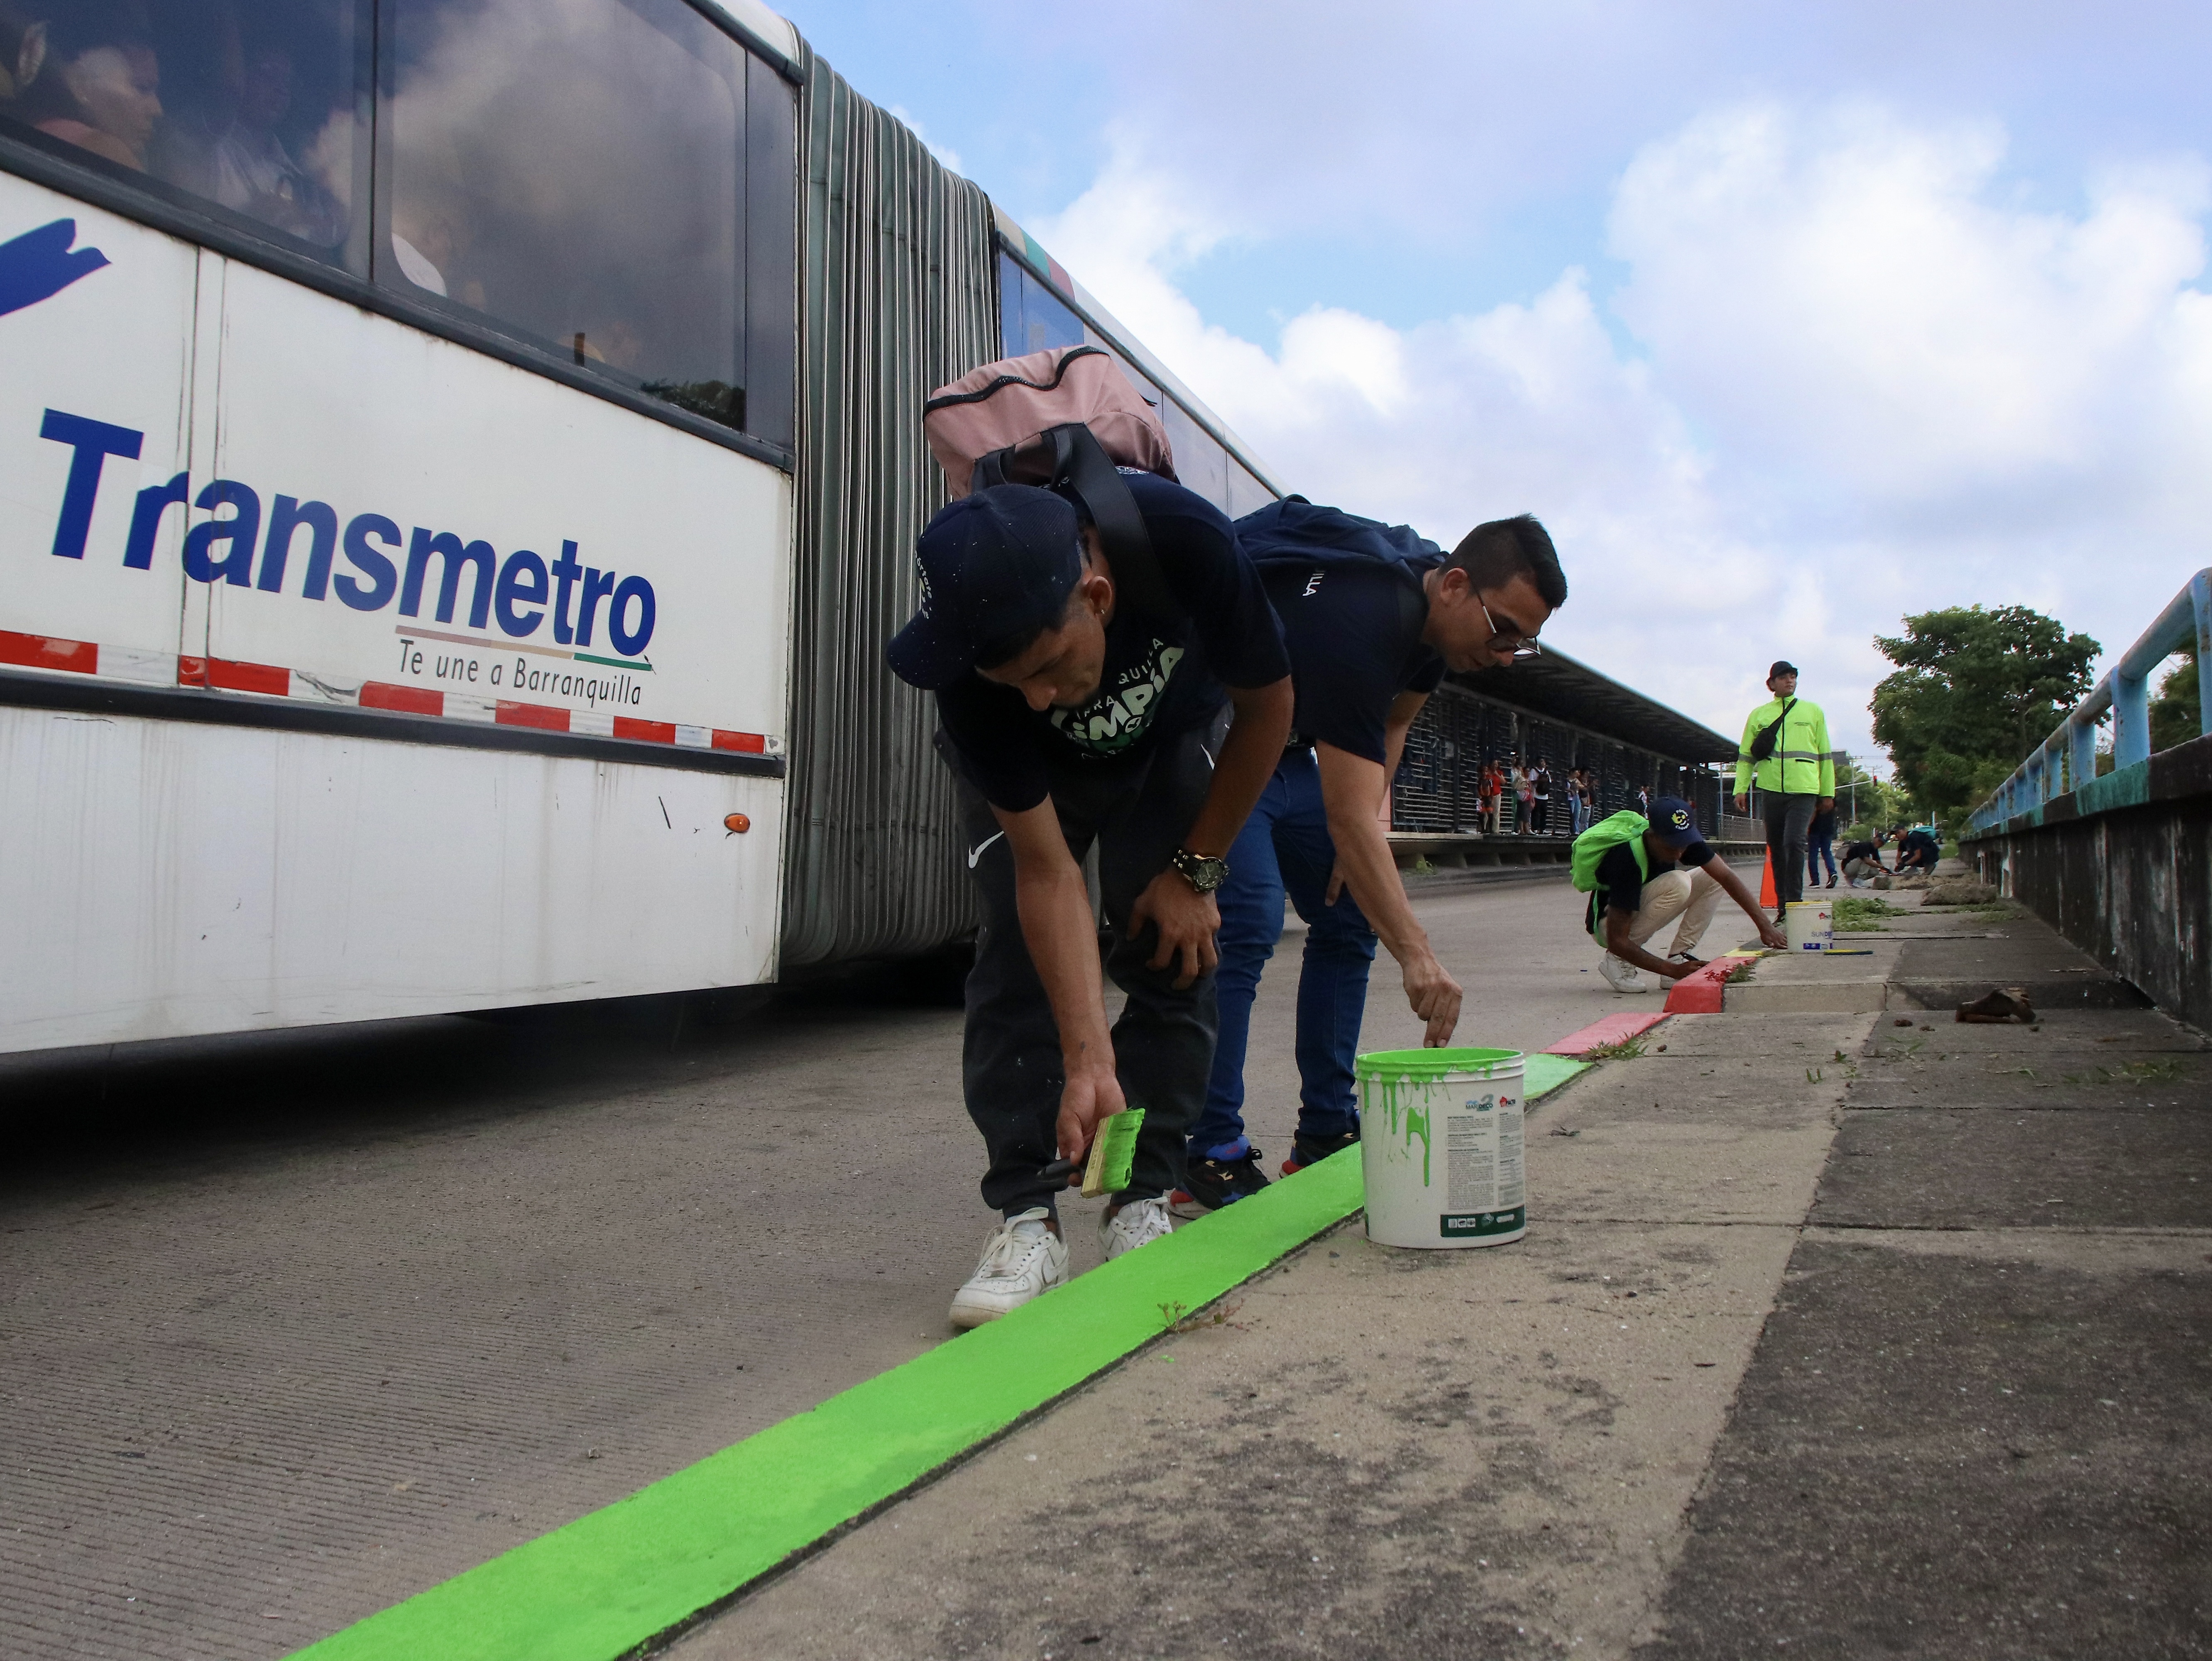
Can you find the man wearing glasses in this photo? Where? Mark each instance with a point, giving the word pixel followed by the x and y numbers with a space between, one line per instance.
pixel 1372 616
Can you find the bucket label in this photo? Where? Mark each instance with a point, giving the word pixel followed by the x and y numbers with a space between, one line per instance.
pixel 1475 1225
pixel 1483 1156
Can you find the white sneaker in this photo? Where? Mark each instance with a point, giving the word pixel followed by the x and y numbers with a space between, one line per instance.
pixel 1620 976
pixel 1022 1260
pixel 1138 1223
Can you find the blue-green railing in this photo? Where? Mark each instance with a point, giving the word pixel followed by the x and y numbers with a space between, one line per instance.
pixel 2068 758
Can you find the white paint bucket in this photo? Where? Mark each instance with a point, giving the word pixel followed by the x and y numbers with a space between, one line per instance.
pixel 1440 1146
pixel 1809 925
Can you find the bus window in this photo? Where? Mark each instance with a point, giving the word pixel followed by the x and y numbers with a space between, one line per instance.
pixel 574 171
pixel 246 106
pixel 1246 494
pixel 1201 464
pixel 1031 317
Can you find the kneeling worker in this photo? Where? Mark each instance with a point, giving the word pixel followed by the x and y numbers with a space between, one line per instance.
pixel 1074 716
pixel 1373 615
pixel 1632 869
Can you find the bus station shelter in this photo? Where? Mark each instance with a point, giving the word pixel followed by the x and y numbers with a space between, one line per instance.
pixel 1554 711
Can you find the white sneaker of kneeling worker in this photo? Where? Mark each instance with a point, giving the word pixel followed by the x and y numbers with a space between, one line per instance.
pixel 1023 1259
pixel 1692 895
pixel 1133 1224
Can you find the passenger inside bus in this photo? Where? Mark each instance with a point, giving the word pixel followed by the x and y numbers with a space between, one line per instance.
pixel 253 172
pixel 101 93
pixel 22 54
pixel 247 103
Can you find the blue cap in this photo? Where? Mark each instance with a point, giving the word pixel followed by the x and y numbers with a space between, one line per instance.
pixel 991 565
pixel 1673 821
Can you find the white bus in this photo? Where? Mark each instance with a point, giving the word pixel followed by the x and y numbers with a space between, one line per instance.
pixel 458 463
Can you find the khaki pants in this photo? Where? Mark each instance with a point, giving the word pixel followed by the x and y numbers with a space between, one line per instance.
pixel 1692 895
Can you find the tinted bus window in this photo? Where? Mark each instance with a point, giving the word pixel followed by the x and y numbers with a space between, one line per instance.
pixel 1199 463
pixel 575 170
pixel 1031 317
pixel 244 107
pixel 1246 494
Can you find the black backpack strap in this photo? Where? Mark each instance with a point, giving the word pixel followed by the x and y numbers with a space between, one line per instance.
pixel 1069 459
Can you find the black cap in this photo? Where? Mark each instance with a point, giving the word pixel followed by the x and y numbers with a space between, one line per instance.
pixel 1781 668
pixel 992 565
pixel 1673 821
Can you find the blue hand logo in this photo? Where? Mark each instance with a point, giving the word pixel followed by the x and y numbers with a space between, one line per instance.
pixel 40 264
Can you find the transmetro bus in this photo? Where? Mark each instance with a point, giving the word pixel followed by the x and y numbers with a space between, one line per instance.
pixel 459 460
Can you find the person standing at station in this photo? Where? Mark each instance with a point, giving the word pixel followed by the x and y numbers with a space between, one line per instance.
pixel 1633 868
pixel 1368 639
pixel 1784 750
pixel 1539 786
pixel 1072 717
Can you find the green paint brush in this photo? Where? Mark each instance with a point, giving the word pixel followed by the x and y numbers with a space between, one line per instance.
pixel 1113 1153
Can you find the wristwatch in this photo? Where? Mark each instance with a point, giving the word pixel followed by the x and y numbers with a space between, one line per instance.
pixel 1200 873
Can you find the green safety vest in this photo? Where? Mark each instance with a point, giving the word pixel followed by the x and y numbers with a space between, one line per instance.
pixel 1802 763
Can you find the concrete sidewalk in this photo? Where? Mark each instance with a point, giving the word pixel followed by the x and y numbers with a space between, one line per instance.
pixel 1835 1332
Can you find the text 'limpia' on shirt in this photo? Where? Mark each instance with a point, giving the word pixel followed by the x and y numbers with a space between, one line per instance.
pixel 1115 720
pixel 253 546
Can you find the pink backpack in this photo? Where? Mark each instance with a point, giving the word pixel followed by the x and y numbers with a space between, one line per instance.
pixel 1002 405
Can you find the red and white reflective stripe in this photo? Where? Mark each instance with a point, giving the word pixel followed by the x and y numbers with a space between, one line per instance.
pixel 265 680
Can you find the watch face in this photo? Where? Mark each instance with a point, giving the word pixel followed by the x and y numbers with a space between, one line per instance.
pixel 1204 874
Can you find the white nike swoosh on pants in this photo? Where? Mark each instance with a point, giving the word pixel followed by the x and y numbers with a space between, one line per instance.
pixel 977 852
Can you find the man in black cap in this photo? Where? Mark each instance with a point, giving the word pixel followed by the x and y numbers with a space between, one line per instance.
pixel 1075 713
pixel 1646 880
pixel 1785 752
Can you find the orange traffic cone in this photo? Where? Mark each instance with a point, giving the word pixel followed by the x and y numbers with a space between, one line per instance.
pixel 1766 883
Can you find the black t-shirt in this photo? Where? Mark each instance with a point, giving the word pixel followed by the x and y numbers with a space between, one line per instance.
pixel 1354 635
pixel 1162 676
pixel 1823 826
pixel 1620 885
pixel 1863 851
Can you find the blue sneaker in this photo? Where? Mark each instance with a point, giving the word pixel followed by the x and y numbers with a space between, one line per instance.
pixel 1210 1183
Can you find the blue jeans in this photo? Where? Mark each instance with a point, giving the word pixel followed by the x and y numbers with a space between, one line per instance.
pixel 1286 845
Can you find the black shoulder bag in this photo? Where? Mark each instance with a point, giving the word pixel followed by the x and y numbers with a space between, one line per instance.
pixel 1764 740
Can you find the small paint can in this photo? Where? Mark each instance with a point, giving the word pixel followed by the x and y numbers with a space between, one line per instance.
pixel 1809 925
pixel 1441 1147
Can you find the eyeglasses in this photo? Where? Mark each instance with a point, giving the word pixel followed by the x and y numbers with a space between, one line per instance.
pixel 1516 644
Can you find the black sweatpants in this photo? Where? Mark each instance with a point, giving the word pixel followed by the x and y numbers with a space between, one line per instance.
pixel 1138 813
pixel 1788 819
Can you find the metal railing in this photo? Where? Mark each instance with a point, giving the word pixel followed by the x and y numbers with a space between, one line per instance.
pixel 2067 760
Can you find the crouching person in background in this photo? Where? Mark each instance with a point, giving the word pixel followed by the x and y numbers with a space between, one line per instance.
pixel 1642 874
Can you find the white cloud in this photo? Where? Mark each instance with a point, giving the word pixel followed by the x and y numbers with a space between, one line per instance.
pixel 1864 381
pixel 945 155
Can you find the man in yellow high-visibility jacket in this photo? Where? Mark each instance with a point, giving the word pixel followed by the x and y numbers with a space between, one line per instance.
pixel 1785 749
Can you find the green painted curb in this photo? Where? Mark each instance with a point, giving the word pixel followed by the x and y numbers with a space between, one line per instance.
pixel 611 1581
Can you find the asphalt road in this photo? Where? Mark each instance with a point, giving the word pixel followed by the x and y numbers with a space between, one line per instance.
pixel 292 1326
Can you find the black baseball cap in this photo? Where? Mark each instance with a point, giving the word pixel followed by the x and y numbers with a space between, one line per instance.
pixel 992 565
pixel 1673 821
pixel 1781 668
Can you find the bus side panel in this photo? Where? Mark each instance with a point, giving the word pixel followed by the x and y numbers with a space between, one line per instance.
pixel 167 879
pixel 411 439
pixel 99 361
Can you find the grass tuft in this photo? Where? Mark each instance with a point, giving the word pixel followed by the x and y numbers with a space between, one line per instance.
pixel 1854 914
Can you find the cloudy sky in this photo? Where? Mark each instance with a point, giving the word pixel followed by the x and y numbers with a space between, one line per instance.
pixel 1787 320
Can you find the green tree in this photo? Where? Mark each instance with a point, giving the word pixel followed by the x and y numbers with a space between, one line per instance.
pixel 2175 713
pixel 1973 692
pixel 1864 801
